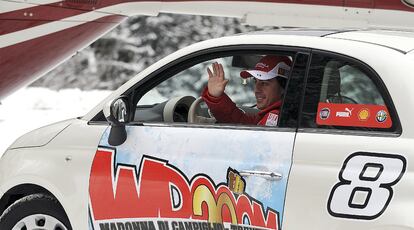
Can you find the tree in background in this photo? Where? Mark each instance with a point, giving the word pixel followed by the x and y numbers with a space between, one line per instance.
pixel 134 45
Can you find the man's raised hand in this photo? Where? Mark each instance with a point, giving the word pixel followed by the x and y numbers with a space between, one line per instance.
pixel 216 81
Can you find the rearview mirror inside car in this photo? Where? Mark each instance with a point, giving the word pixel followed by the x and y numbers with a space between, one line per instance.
pixel 245 61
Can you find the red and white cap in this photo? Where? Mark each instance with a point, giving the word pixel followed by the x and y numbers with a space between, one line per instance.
pixel 269 67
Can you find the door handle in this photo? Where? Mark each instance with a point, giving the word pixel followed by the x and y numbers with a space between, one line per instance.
pixel 266 175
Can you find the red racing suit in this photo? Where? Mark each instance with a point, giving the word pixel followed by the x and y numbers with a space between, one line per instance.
pixel 226 111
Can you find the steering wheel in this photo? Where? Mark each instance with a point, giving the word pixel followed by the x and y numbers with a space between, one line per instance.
pixel 194 115
pixel 175 109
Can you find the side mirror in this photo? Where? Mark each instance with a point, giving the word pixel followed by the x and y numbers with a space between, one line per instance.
pixel 116 113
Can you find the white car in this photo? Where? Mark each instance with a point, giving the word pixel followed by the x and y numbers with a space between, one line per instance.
pixel 339 158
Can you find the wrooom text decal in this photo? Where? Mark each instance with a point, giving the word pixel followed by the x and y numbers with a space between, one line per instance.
pixel 157 196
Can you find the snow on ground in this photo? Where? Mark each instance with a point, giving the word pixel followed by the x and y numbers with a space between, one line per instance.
pixel 31 108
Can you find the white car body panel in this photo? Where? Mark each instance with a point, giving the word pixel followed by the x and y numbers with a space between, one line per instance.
pixel 395 39
pixel 317 162
pixel 210 154
pixel 61 167
pixel 40 136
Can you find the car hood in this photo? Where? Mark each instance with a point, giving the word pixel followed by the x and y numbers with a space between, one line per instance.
pixel 41 136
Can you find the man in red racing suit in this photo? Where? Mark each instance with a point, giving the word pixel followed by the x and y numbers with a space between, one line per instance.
pixel 270 75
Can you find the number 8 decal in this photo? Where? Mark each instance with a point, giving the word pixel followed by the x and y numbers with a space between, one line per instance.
pixel 365 187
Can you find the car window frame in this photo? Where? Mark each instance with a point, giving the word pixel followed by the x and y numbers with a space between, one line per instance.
pixel 295 99
pixel 135 92
pixel 396 128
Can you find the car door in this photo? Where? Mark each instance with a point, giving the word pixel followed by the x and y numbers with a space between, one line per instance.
pixel 171 174
pixel 348 157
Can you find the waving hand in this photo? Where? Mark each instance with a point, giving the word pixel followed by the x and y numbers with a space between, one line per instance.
pixel 216 81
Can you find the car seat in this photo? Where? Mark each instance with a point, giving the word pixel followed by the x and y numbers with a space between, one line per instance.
pixel 331 83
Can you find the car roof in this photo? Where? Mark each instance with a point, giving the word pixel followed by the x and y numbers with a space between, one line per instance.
pixel 297 32
pixel 401 41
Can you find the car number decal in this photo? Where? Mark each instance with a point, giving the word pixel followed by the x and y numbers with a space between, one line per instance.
pixel 365 186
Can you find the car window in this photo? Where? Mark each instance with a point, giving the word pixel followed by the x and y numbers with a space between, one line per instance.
pixel 191 81
pixel 176 99
pixel 358 87
pixel 343 94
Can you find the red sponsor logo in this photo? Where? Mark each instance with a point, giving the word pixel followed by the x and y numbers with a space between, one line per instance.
pixel 127 192
pixel 354 115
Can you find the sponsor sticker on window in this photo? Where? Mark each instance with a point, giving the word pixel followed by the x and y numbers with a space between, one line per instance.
pixel 356 115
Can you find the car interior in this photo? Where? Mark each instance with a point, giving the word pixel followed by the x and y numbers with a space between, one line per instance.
pixel 191 108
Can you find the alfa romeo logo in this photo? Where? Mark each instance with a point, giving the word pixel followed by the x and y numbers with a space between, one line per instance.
pixel 381 116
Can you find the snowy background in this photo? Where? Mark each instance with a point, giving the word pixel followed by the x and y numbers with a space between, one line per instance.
pixel 134 45
pixel 34 107
pixel 74 87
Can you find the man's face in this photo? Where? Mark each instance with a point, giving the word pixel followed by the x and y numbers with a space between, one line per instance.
pixel 267 92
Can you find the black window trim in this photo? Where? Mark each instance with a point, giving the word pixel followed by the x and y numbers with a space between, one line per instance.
pixel 300 94
pixel 170 69
pixel 377 80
